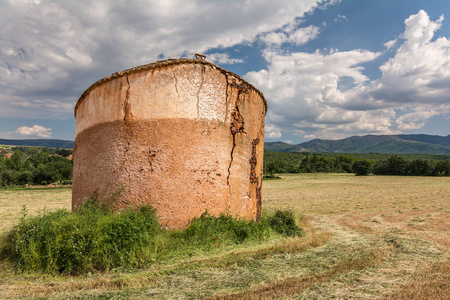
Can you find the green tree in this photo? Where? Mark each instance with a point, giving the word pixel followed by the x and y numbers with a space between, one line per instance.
pixel 442 168
pixel 9 177
pixel 395 165
pixel 420 167
pixel 37 156
pixel 18 161
pixel 362 167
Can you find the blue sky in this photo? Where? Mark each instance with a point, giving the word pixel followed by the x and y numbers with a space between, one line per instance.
pixel 328 69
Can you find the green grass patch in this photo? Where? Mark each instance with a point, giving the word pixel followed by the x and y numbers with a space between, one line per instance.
pixel 98 239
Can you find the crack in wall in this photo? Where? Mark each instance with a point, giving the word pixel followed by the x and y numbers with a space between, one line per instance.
pixel 254 179
pixel 128 116
pixel 236 126
pixel 226 99
pixel 231 161
pixel 176 89
pixel 253 161
pixel 258 203
pixel 198 92
pixel 126 104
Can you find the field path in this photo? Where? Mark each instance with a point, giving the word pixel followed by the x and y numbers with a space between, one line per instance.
pixel 400 258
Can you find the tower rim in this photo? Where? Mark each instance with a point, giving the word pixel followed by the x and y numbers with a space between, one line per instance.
pixel 163 64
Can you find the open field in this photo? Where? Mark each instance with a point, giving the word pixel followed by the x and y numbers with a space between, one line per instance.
pixel 366 237
pixel 12 203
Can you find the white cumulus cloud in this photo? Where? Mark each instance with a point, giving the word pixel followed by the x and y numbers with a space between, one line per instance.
pixel 416 78
pixel 390 44
pixel 272 131
pixel 223 58
pixel 420 70
pixel 51 51
pixel 415 119
pixel 329 96
pixel 299 36
pixel 36 130
pixel 303 88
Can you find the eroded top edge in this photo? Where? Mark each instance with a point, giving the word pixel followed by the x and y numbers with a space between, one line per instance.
pixel 162 64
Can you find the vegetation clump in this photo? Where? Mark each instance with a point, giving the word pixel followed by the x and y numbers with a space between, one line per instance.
pixel 98 239
pixel 92 239
pixel 36 166
pixel 283 222
pixel 224 228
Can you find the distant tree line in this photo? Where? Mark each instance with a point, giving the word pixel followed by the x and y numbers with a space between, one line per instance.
pixel 396 165
pixel 360 164
pixel 51 151
pixel 40 166
pixel 37 166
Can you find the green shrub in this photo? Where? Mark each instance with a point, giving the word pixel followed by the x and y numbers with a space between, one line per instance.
pixel 283 222
pixel 98 239
pixel 93 239
pixel 209 230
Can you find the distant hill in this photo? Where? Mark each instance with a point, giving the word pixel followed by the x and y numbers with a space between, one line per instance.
pixel 39 143
pixel 283 147
pixel 387 144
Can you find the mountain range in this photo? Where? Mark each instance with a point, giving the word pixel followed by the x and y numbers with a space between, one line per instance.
pixel 49 143
pixel 386 144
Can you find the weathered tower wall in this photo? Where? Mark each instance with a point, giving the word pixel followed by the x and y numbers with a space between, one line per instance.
pixel 182 135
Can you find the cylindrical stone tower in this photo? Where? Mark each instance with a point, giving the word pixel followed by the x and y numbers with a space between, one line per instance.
pixel 182 135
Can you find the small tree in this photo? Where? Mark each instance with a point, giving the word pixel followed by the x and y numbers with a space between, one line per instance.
pixel 362 168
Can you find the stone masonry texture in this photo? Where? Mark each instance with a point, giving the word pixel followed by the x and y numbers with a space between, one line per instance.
pixel 184 136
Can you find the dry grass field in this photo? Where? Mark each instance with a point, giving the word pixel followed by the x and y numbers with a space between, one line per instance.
pixel 377 237
pixel 408 219
pixel 12 203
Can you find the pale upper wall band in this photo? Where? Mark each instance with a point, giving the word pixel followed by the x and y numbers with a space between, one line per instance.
pixel 162 64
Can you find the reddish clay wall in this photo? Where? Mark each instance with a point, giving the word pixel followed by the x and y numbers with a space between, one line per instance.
pixel 182 135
